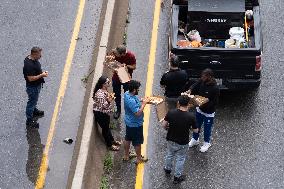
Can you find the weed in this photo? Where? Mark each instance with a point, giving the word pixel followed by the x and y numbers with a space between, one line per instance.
pixel 85 79
pixel 104 183
pixel 124 38
pixel 112 125
pixel 108 163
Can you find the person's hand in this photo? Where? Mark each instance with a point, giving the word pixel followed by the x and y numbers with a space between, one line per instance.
pixel 195 130
pixel 44 74
pixel 145 100
pixel 188 92
pixel 166 127
pixel 110 97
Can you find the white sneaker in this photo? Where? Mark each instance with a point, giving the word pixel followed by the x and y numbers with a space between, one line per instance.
pixel 205 147
pixel 193 142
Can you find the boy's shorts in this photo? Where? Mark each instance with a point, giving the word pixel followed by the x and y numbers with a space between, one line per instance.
pixel 135 135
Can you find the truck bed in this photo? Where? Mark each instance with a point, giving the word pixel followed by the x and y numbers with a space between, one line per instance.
pixel 235 68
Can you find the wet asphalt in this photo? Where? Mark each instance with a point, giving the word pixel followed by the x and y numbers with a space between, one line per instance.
pixel 48 24
pixel 248 136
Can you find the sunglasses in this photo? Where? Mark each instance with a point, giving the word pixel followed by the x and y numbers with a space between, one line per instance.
pixel 107 82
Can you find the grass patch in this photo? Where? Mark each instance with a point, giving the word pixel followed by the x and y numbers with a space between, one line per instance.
pixel 84 79
pixel 104 183
pixel 108 165
pixel 112 125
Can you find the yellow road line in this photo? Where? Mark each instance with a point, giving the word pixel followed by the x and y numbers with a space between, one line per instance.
pixel 148 92
pixel 44 162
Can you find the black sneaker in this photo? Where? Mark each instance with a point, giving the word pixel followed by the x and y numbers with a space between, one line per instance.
pixel 116 115
pixel 178 180
pixel 32 123
pixel 168 172
pixel 38 113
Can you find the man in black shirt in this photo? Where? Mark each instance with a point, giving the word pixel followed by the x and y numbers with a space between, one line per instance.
pixel 206 87
pixel 174 82
pixel 34 77
pixel 178 122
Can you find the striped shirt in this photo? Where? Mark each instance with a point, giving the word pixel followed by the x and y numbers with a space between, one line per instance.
pixel 100 102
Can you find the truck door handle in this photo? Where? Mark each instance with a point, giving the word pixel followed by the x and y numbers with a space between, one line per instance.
pixel 184 61
pixel 215 62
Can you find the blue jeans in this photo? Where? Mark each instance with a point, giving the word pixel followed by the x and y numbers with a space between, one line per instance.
pixel 116 85
pixel 208 124
pixel 178 151
pixel 33 94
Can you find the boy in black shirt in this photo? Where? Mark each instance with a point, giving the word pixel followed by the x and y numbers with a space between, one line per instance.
pixel 178 122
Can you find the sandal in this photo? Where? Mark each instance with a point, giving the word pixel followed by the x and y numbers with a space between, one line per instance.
pixel 143 160
pixel 117 143
pixel 131 156
pixel 114 148
pixel 125 159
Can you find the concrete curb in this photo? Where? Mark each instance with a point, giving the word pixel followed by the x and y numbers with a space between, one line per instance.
pixel 77 182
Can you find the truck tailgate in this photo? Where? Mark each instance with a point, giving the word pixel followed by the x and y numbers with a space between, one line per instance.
pixel 226 63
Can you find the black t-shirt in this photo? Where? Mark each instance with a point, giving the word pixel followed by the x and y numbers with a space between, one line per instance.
pixel 180 122
pixel 174 81
pixel 32 68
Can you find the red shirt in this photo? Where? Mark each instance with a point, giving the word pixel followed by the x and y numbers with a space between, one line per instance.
pixel 128 59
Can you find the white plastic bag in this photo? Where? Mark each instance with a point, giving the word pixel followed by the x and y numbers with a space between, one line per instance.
pixel 194 35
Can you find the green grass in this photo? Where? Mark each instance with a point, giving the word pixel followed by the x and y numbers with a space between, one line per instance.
pixel 84 79
pixel 112 125
pixel 104 183
pixel 108 165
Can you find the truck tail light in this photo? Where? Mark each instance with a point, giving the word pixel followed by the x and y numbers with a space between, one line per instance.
pixel 258 63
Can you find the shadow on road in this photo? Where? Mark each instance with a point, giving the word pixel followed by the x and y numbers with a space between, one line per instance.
pixel 34 154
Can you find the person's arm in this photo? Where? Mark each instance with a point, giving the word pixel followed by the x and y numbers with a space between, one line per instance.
pixel 140 111
pixel 37 77
pixel 132 63
pixel 194 125
pixel 163 82
pixel 165 125
pixel 132 67
pixel 193 89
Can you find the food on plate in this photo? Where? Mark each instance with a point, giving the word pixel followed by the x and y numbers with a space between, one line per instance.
pixel 155 100
pixel 200 100
pixel 113 65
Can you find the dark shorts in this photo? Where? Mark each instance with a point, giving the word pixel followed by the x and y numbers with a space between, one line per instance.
pixel 135 135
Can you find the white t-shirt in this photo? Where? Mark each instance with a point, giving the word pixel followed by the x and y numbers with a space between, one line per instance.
pixel 205 114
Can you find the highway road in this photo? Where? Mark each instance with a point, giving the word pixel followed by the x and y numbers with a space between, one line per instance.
pixel 49 24
pixel 248 135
